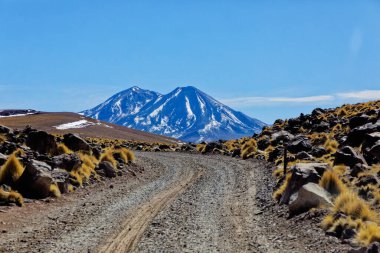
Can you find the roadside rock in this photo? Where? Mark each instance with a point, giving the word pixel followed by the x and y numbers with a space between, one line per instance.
pixel 5 130
pixel 309 196
pixel 42 142
pixel 68 162
pixel 302 173
pixel 348 156
pixel 35 181
pixel 75 143
pixel 106 169
pixel 298 144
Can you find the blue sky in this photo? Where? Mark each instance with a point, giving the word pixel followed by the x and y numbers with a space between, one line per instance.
pixel 269 59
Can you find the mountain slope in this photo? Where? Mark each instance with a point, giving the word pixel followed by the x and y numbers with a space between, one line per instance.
pixel 186 113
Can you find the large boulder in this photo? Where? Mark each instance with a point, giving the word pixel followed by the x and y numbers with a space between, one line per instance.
pixel 318 151
pixel 355 136
pixel 5 130
pixel 298 144
pixel 309 196
pixel 348 156
pixel 301 174
pixel 281 136
pixel 211 146
pixel 42 142
pixel 357 121
pixel 35 181
pixel 76 143
pixel 321 127
pixel 106 169
pixel 67 162
pixel 62 178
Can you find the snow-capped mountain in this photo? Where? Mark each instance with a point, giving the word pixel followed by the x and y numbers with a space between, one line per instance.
pixel 186 113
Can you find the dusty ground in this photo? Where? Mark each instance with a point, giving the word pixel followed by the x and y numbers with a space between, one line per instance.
pixel 180 203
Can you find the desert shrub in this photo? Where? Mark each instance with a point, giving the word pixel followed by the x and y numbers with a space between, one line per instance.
pixel 12 170
pixel 125 154
pixel 331 183
pixel 11 197
pixel 201 147
pixel 331 145
pixel 249 149
pixel 278 193
pixel 369 233
pixel 108 156
pixel 54 190
pixel 351 205
pixel 63 149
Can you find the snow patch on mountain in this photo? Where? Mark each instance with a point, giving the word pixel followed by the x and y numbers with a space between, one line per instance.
pixel 185 113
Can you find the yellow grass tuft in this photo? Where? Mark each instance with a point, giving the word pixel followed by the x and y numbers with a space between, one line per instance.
pixel 12 170
pixel 331 183
pixel 70 187
pixel 278 193
pixel 2 138
pixel 351 205
pixel 54 190
pixel 11 197
pixel 369 233
pixel 63 149
pixel 108 156
pixel 331 145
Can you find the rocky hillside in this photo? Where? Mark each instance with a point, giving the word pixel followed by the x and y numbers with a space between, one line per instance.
pixel 186 113
pixel 328 160
pixel 35 164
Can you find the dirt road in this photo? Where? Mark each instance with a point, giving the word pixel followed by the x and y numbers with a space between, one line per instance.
pixel 179 203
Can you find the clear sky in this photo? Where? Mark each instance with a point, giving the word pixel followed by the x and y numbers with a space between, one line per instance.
pixel 269 59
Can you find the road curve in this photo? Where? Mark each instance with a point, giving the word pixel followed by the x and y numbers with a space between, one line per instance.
pixel 179 203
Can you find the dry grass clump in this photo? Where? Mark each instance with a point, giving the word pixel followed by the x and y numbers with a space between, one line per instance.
pixel 2 138
pixel 331 183
pixel 63 149
pixel 369 233
pixel 125 154
pixel 108 157
pixel 340 169
pixel 201 148
pixel 249 149
pixel 278 193
pixel 331 145
pixel 54 190
pixel 12 170
pixel 11 197
pixel 351 205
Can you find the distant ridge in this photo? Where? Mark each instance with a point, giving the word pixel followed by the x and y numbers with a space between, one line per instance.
pixel 186 113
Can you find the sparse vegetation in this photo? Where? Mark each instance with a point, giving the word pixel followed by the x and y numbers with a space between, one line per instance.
pixel 12 170
pixel 331 183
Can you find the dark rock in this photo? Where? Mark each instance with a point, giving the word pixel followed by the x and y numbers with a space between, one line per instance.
pixel 35 181
pixel 276 153
pixel 236 152
pixel 5 130
pixel 302 173
pixel 75 143
pixel 358 121
pixel 96 152
pixel 366 180
pixel 373 248
pixel 61 178
pixel 375 150
pixel 281 136
pixel 348 156
pixel 317 112
pixel 106 169
pixel 164 146
pixel 298 144
pixel 357 168
pixel 321 127
pixel 67 162
pixel 42 142
pixel 304 156
pixel 263 143
pixel 211 146
pixel 318 151
pixel 355 136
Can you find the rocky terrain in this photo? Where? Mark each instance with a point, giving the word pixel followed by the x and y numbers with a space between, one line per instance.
pixel 35 164
pixel 327 161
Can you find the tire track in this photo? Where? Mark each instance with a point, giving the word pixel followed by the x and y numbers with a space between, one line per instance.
pixel 134 227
